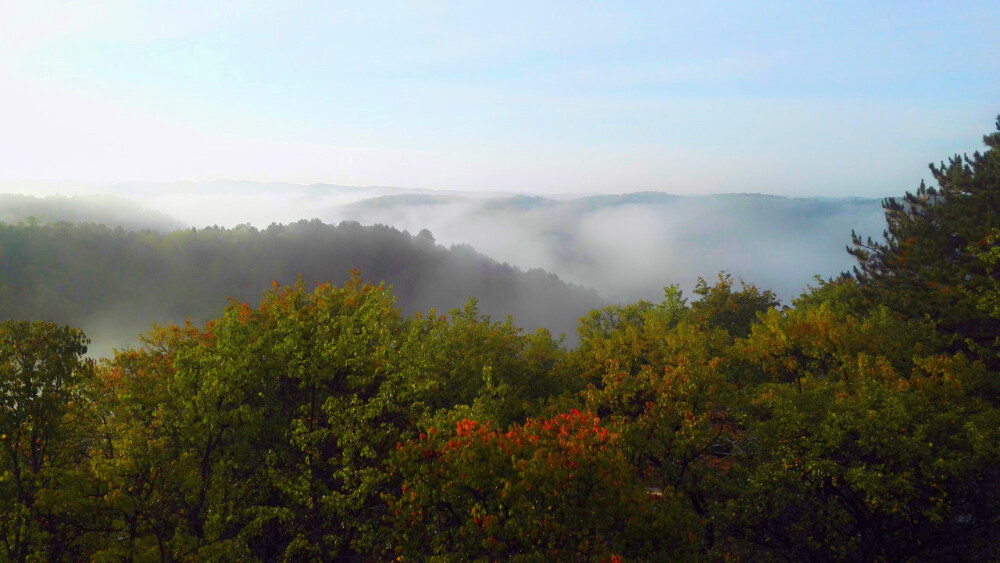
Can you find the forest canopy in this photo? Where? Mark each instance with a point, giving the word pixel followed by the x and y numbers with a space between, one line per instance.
pixel 859 423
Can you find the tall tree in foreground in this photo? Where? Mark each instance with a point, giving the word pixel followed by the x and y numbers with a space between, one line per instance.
pixel 266 431
pixel 934 261
pixel 856 444
pixel 41 365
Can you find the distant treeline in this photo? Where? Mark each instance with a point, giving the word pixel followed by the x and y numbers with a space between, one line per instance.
pixel 105 210
pixel 116 283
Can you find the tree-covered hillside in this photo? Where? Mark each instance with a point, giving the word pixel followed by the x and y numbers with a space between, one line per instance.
pixel 862 423
pixel 629 246
pixel 626 247
pixel 116 283
pixel 104 210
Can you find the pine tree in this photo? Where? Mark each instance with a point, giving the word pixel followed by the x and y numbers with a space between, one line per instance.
pixel 931 264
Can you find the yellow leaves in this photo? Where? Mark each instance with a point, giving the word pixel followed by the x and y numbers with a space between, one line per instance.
pixel 790 364
pixel 765 396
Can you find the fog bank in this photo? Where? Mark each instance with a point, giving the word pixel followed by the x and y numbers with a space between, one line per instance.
pixel 624 246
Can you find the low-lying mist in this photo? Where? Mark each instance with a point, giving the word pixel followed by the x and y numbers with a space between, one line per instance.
pixel 630 247
pixel 626 247
pixel 115 284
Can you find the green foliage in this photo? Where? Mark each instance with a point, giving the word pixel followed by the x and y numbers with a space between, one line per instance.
pixel 727 429
pixel 877 468
pixel 623 338
pixel 732 311
pixel 41 371
pixel 265 432
pixel 858 441
pixel 827 341
pixel 675 426
pixel 987 296
pixel 497 369
pixel 935 257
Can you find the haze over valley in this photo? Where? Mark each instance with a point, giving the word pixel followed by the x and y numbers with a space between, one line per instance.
pixel 611 249
pixel 626 246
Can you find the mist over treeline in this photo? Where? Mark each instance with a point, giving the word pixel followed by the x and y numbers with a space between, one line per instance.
pixel 627 247
pixel 115 283
pixel 109 210
pixel 142 267
pixel 630 246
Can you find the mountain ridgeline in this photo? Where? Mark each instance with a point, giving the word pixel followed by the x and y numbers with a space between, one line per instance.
pixel 115 283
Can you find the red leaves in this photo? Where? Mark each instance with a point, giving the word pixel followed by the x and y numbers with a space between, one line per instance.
pixel 526 485
pixel 465 427
pixel 559 441
pixel 244 313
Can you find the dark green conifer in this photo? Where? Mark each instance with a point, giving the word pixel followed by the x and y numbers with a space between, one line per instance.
pixel 931 264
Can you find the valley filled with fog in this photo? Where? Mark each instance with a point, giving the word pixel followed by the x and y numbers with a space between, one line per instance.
pixel 116 259
pixel 630 246
pixel 626 246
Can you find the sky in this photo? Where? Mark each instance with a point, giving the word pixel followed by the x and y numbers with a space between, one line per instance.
pixel 789 98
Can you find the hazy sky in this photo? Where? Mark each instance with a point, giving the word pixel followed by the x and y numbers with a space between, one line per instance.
pixel 799 98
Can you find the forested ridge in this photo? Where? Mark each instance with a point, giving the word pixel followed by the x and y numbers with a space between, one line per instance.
pixel 103 210
pixel 860 423
pixel 628 246
pixel 116 282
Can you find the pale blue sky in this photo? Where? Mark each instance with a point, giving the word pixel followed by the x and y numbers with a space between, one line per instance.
pixel 796 98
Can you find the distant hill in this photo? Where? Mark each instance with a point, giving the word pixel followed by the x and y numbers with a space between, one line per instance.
pixel 626 246
pixel 115 283
pixel 630 246
pixel 101 209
